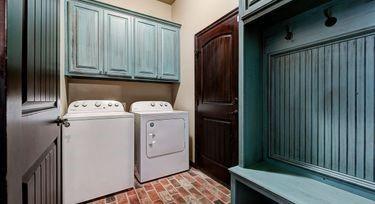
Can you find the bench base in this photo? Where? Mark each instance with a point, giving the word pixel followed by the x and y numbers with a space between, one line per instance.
pixel 265 183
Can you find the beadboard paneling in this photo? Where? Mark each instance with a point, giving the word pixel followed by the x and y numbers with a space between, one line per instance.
pixel 40 182
pixel 322 106
pixel 40 55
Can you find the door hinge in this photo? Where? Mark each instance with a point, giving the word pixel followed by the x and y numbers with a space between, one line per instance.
pixel 197 53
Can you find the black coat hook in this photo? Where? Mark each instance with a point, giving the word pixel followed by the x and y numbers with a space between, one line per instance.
pixel 289 34
pixel 331 21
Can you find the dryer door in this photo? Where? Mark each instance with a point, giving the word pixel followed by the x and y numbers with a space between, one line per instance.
pixel 165 137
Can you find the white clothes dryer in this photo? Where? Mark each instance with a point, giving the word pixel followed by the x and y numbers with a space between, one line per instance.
pixel 161 140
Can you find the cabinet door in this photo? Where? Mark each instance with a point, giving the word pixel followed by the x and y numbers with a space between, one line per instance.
pixel 169 52
pixel 146 65
pixel 118 44
pixel 85 30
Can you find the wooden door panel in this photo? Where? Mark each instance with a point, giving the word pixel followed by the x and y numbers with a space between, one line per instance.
pixel 217 71
pixel 118 44
pixel 40 88
pixel 146 65
pixel 168 52
pixel 39 185
pixel 216 88
pixel 85 38
pixel 217 137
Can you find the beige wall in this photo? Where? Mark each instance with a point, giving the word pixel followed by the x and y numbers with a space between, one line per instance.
pixel 118 90
pixel 194 15
pixel 149 7
pixel 126 92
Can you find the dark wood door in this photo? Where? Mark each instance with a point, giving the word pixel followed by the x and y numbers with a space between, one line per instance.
pixel 216 94
pixel 33 149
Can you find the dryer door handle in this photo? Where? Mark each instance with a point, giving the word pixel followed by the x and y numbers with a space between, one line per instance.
pixel 152 135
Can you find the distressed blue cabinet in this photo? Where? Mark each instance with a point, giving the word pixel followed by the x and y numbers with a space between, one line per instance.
pixel 118 44
pixel 113 43
pixel 168 52
pixel 146 48
pixel 85 33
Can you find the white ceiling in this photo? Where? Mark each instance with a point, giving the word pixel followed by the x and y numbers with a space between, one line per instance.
pixel 168 1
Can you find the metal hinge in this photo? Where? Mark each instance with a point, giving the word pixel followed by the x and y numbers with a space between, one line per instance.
pixel 197 53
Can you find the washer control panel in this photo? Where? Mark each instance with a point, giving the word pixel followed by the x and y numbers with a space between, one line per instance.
pixel 151 106
pixel 95 106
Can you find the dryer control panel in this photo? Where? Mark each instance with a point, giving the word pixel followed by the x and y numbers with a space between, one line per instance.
pixel 151 106
pixel 86 106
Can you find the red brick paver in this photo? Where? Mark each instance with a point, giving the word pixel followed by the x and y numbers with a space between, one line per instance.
pixel 186 187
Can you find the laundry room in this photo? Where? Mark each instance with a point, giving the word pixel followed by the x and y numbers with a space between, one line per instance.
pixel 187 101
pixel 143 65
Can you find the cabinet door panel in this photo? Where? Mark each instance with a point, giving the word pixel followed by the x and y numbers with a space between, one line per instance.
pixel 145 49
pixel 118 44
pixel 85 38
pixel 168 52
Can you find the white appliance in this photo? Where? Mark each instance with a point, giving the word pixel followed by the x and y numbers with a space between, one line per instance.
pixel 97 150
pixel 161 140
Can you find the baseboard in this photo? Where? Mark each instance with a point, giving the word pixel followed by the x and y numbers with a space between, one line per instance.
pixel 192 164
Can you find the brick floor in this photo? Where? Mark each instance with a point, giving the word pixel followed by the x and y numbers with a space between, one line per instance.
pixel 188 187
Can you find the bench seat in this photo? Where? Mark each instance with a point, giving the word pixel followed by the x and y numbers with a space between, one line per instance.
pixel 287 187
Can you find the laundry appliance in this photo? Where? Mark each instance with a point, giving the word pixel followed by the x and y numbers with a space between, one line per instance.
pixel 161 140
pixel 97 150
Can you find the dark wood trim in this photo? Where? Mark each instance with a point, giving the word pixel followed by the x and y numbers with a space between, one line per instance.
pixel 3 68
pixel 192 164
pixel 196 69
pixel 222 19
pixel 197 150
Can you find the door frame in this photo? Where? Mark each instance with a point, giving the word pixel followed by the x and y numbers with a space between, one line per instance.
pixel 197 78
pixel 3 71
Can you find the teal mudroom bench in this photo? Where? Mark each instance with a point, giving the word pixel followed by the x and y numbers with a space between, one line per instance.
pixel 267 183
pixel 307 102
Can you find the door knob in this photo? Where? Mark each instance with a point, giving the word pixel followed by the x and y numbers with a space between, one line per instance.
pixel 60 121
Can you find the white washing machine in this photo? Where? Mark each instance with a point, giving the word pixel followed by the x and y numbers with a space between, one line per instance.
pixel 161 140
pixel 97 150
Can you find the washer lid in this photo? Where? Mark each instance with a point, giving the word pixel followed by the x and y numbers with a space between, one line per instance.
pixel 92 116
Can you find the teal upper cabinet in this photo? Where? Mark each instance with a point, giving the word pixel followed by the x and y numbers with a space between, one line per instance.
pixel 169 62
pixel 85 23
pixel 146 48
pixel 118 44
pixel 108 42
